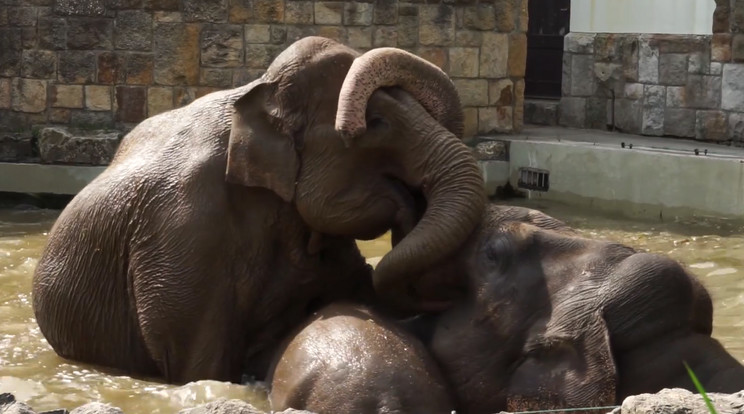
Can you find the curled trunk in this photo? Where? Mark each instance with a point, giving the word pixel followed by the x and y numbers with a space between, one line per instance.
pixel 449 176
pixel 454 190
pixel 395 67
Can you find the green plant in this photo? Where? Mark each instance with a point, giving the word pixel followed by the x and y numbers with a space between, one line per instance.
pixel 700 389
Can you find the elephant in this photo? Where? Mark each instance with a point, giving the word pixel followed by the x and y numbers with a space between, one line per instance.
pixel 347 358
pixel 542 318
pixel 221 225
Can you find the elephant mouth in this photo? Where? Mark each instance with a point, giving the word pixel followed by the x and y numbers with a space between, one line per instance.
pixel 413 209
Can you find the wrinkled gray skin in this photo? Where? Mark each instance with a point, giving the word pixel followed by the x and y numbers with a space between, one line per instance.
pixel 220 225
pixel 347 359
pixel 547 319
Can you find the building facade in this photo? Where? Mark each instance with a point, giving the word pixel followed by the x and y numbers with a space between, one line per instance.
pixel 655 67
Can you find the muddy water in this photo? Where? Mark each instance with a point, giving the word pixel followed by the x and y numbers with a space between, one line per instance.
pixel 712 249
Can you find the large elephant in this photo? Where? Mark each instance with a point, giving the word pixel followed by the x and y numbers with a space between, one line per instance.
pixel 348 359
pixel 218 226
pixel 546 319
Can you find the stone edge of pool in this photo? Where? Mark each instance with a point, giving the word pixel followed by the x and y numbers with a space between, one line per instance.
pixel 637 176
pixel 666 401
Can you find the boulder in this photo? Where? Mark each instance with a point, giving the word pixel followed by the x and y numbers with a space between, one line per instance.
pixel 681 401
pixel 97 408
pixel 61 145
pixel 225 406
pixel 9 405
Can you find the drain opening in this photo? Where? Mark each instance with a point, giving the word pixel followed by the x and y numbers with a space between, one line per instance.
pixel 534 179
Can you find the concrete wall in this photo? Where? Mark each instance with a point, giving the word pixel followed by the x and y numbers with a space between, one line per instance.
pixel 112 63
pixel 643 16
pixel 659 84
pixel 616 179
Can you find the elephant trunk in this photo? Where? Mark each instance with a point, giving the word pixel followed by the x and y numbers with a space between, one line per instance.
pixel 395 67
pixel 453 187
pixel 446 169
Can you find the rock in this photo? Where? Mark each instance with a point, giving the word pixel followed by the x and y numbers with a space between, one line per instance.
pixel 464 62
pixel 732 98
pixel 704 92
pixel 223 47
pixel 58 411
pixel 16 407
pixel 541 112
pixel 131 103
pixel 673 69
pixel 15 148
pixel 76 67
pixel 86 34
pixel 38 64
pixel 28 95
pixel 493 61
pixel 299 12
pixel 579 43
pixel 328 13
pixel 213 11
pixel 679 401
pixel 480 17
pixel 582 75
pixel 80 8
pixel 648 62
pixel 223 406
pixel 736 126
pixel 437 27
pixel 491 150
pixel 7 398
pixel 133 30
pixel 679 122
pixel 176 48
pixel 572 112
pixel 386 12
pixel 97 408
pixel 473 92
pixel 70 146
pixel 711 126
pixel 358 14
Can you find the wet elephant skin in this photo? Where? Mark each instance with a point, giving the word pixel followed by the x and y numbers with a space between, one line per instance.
pixel 220 226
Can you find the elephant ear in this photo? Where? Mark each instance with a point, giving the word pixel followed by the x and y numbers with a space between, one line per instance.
pixel 259 153
pixel 569 369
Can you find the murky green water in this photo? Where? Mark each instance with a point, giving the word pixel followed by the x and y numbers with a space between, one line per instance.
pixel 712 249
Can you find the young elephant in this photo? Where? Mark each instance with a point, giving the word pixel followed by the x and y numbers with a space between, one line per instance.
pixel 218 226
pixel 546 319
pixel 347 359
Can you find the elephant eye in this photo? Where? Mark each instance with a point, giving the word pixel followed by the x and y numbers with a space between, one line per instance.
pixel 376 122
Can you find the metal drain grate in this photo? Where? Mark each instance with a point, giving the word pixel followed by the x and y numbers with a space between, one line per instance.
pixel 534 179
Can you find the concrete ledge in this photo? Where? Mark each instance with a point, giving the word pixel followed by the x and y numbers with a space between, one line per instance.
pixel 41 178
pixel 629 174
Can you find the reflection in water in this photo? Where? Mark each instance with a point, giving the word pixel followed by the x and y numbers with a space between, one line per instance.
pixel 712 249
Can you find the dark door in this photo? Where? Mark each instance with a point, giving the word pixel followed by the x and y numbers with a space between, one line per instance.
pixel 548 23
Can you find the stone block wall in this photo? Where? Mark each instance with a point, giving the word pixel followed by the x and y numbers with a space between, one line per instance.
pixel 112 63
pixel 663 85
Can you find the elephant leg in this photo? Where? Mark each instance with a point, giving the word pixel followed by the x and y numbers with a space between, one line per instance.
pixel 187 329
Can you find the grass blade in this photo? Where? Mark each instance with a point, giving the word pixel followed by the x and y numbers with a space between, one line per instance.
pixel 700 389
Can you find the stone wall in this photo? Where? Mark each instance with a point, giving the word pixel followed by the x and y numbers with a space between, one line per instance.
pixel 112 63
pixel 663 85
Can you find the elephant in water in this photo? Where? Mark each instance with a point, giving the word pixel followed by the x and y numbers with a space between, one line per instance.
pixel 220 226
pixel 348 359
pixel 540 319
pixel 546 319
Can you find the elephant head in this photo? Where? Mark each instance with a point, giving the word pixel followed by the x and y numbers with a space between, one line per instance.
pixel 356 142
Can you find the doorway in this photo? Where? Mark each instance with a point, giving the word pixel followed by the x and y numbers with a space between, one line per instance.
pixel 548 23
